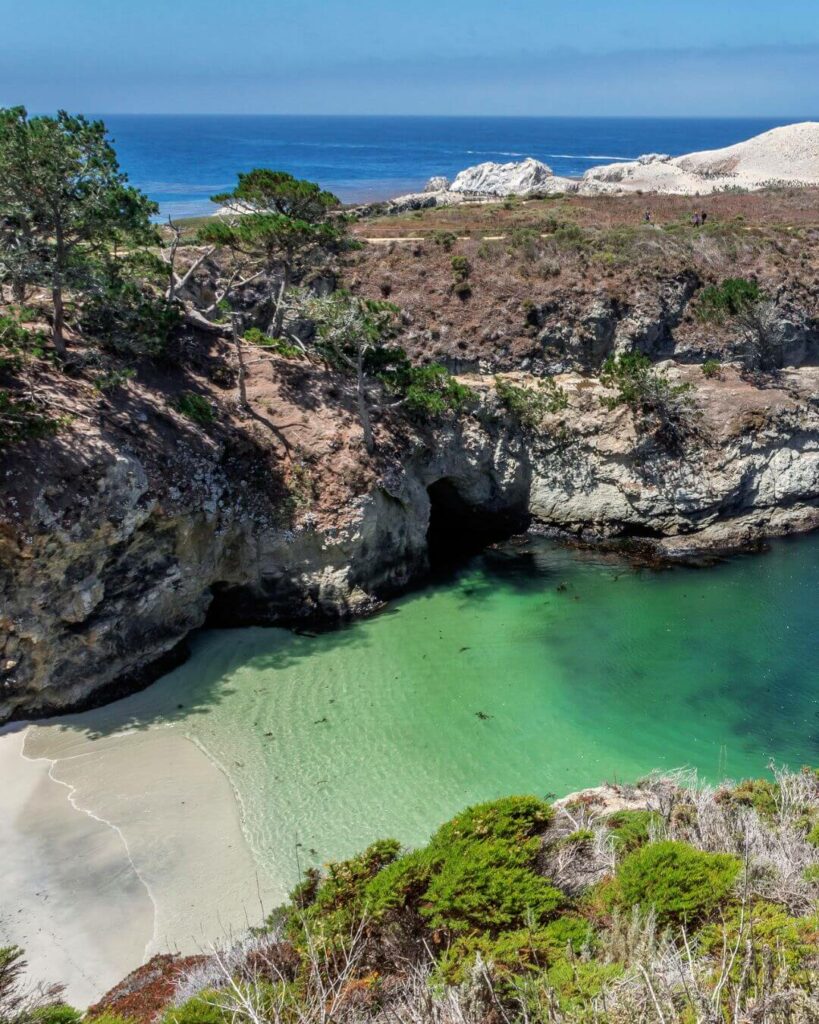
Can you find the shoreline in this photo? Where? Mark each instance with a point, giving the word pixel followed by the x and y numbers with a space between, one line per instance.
pixel 148 849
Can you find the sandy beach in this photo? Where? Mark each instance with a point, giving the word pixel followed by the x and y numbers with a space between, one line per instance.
pixel 116 847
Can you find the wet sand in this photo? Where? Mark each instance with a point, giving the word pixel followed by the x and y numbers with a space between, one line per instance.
pixel 159 864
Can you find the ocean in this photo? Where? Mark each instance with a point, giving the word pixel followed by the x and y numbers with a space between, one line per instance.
pixel 181 160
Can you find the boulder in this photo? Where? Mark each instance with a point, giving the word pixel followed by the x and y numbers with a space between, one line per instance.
pixel 517 179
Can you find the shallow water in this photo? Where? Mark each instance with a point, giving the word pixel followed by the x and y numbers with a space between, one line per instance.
pixel 534 669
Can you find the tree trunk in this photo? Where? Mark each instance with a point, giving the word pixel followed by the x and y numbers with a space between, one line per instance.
pixel 57 296
pixel 58 322
pixel 363 411
pixel 278 317
pixel 240 358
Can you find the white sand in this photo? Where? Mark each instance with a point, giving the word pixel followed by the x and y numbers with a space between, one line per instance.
pixel 116 848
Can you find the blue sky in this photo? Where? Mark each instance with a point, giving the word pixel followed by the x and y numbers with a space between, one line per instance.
pixel 698 57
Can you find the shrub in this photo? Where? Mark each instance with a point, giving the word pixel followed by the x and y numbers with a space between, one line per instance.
pixel 461 268
pixel 126 316
pixel 280 346
pixel 719 302
pixel 760 794
pixel 201 1009
pixel 445 239
pixel 60 1013
pixel 530 405
pixel 195 407
pixel 813 836
pixel 682 884
pixel 463 289
pixel 711 368
pixel 646 390
pixel 631 829
pixel 431 391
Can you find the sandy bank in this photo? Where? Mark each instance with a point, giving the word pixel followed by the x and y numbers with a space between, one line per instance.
pixel 116 847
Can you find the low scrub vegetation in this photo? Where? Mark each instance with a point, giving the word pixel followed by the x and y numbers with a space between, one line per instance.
pixel 719 302
pixel 689 904
pixel 530 405
pixel 659 404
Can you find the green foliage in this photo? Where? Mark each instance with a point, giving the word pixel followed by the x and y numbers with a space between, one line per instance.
pixel 719 302
pixel 813 836
pixel 645 390
pixel 280 346
pixel 66 200
pixel 530 405
pixel 60 1013
pixel 682 884
pixel 760 794
pixel 264 190
pixel 431 392
pixel 201 1009
pixel 113 379
pixel 195 407
pixel 772 929
pixel 711 368
pixel 630 829
pixel 124 313
pixel 445 239
pixel 460 268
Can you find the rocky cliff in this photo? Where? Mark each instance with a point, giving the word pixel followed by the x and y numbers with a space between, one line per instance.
pixel 135 524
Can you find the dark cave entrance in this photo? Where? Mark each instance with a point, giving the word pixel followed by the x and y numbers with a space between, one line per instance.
pixel 458 529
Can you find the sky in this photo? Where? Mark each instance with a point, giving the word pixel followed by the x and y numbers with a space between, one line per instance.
pixel 521 57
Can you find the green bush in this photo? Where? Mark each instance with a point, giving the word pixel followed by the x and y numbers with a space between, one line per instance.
pixel 60 1013
pixel 530 405
pixel 461 268
pixel 711 368
pixel 643 389
pixel 280 346
pixel 682 884
pixel 198 1010
pixel 445 239
pixel 631 829
pixel 772 928
pixel 813 836
pixel 719 302
pixel 760 794
pixel 431 391
pixel 195 407
pixel 126 316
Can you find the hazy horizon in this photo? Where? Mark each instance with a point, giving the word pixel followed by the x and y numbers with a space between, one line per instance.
pixel 340 57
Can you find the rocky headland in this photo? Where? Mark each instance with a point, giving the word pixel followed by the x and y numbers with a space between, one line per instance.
pixel 785 157
pixel 138 521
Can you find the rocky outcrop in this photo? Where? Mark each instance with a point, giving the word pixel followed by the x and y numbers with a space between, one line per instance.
pixel 103 578
pixel 783 156
pixel 526 178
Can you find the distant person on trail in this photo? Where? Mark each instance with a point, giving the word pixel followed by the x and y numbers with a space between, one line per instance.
pixel 647 216
pixel 703 217
pixel 696 219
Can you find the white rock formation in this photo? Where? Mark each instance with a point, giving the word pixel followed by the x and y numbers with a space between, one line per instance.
pixel 437 184
pixel 783 156
pixel 513 179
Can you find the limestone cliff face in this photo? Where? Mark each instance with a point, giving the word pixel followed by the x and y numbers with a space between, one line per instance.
pixel 112 555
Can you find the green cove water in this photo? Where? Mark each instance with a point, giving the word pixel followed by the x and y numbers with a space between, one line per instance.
pixel 534 669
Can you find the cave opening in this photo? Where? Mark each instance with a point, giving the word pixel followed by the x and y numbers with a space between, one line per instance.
pixel 458 528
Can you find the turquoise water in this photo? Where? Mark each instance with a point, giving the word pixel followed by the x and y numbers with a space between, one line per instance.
pixel 534 669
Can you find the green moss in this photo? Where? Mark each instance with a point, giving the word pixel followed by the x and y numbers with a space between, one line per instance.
pixel 681 884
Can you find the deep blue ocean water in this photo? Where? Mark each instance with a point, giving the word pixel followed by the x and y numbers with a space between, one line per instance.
pixel 181 160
